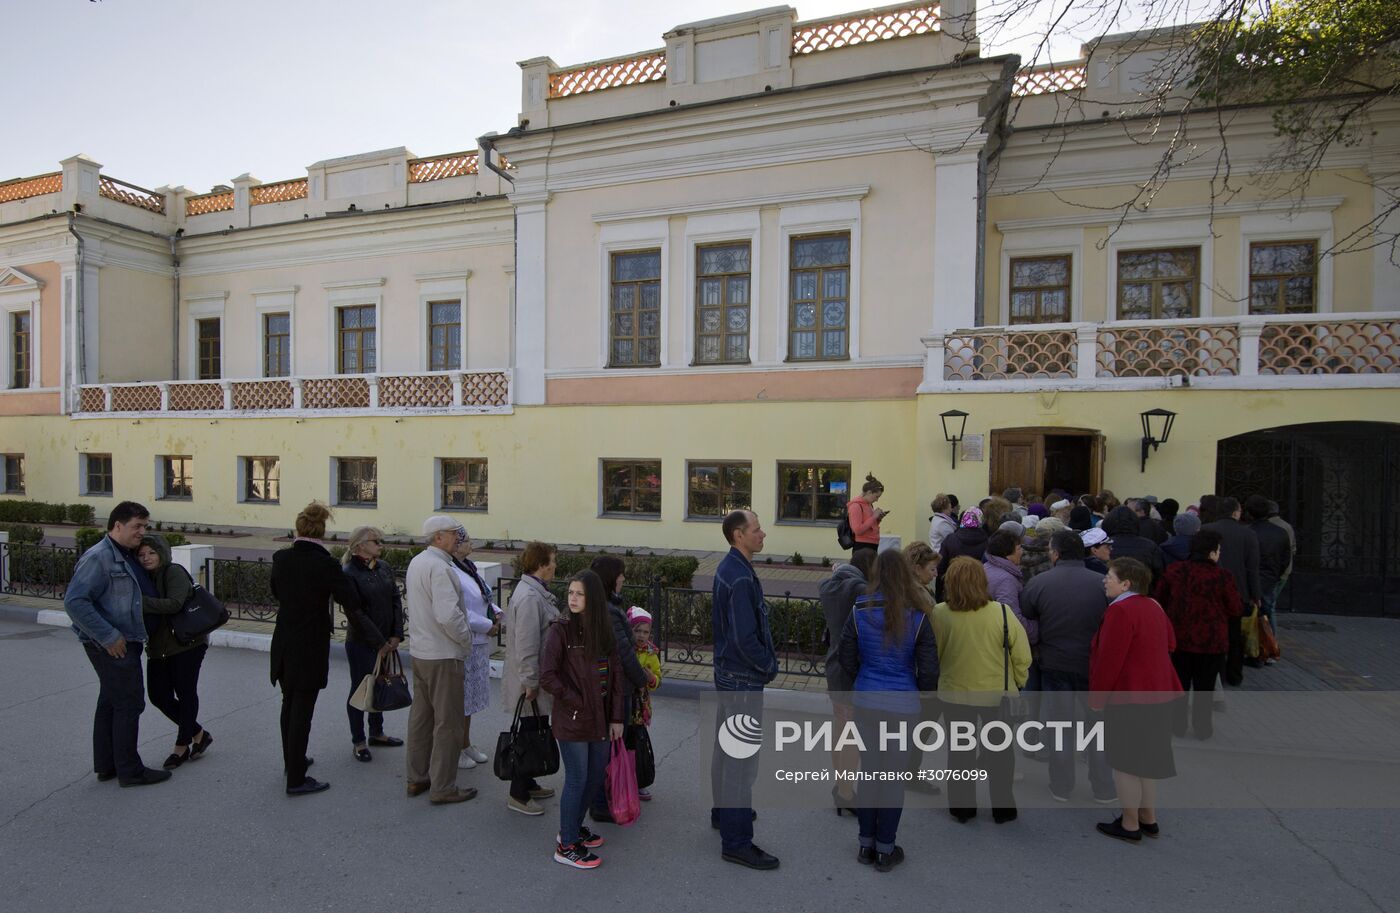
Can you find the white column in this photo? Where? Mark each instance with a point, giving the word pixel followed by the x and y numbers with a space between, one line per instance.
pixel 530 297
pixel 193 558
pixel 457 388
pixel 954 241
pixel 1249 348
pixel 373 382
pixel 296 393
pixel 934 358
pixel 164 396
pixel 228 395
pixel 1087 340
pixel 242 205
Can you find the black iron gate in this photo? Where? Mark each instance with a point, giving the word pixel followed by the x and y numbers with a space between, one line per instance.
pixel 1338 483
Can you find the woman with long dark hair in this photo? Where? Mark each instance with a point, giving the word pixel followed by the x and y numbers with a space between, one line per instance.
pixel 579 667
pixel 888 648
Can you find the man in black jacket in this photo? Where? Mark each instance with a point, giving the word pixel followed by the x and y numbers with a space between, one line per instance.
pixel 1275 552
pixel 1122 525
pixel 1239 554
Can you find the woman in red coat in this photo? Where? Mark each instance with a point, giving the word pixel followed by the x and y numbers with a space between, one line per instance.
pixel 1201 600
pixel 1132 680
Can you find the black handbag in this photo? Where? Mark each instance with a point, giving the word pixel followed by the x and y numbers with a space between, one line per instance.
pixel 390 685
pixel 636 739
pixel 200 614
pixel 528 748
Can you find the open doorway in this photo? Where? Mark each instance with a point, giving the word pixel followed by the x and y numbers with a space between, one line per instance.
pixel 1038 460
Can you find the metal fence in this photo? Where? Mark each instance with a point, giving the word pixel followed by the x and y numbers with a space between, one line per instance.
pixel 682 628
pixel 36 570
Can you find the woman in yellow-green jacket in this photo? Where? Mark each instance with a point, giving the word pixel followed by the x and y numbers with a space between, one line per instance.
pixel 983 656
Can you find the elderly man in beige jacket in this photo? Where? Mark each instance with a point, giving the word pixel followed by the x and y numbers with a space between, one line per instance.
pixel 438 640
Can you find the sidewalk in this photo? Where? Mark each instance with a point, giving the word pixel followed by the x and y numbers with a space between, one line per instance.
pixel 1320 652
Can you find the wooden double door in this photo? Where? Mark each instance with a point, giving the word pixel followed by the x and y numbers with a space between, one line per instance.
pixel 1037 460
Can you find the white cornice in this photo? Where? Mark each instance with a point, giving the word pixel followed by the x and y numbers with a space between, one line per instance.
pixel 853 192
pixel 251 260
pixel 219 296
pixel 372 282
pixel 863 363
pixel 25 284
pixel 1101 217
pixel 444 276
pixel 275 290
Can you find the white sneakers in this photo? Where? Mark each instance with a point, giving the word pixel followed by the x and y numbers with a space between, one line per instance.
pixel 470 757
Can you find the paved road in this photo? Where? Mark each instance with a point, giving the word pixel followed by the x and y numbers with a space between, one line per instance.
pixel 222 836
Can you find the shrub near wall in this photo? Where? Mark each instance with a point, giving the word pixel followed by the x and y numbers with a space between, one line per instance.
pixel 42 512
pixel 22 534
pixel 674 570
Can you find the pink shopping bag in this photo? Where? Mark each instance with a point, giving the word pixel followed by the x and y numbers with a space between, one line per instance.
pixel 623 801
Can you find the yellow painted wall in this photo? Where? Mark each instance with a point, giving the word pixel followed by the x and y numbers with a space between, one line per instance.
pixel 134 314
pixel 1351 272
pixel 543 464
pixel 544 461
pixel 1183 468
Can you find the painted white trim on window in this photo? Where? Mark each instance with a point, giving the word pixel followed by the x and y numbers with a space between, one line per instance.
pixel 439 288
pixel 83 473
pixel 1307 225
pixel 705 230
pixel 281 300
pixel 22 296
pixel 622 237
pixel 815 219
pixel 354 293
pixel 197 308
pixel 1163 236
pixel 1042 243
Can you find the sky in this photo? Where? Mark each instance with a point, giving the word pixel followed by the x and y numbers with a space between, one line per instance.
pixel 195 92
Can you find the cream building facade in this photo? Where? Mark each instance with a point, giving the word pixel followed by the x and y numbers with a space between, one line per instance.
pixel 745 268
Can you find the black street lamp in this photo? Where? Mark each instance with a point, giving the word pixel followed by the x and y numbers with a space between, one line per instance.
pixel 1156 428
pixel 954 422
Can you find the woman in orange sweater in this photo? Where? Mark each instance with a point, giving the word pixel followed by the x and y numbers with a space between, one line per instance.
pixel 865 517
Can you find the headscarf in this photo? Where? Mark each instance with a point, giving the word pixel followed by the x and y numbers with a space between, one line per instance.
pixel 1038 510
pixel 971 518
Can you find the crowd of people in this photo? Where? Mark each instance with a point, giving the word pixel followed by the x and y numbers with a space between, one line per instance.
pixel 1098 610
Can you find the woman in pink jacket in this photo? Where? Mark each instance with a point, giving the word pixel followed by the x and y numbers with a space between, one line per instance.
pixel 865 517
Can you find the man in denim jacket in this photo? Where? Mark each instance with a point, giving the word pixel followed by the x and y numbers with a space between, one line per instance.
pixel 104 601
pixel 745 661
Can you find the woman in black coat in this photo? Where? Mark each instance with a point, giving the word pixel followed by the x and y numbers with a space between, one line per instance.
pixel 305 577
pixel 372 631
pixel 970 539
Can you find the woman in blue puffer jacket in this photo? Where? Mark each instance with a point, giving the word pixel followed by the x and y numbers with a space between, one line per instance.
pixel 887 647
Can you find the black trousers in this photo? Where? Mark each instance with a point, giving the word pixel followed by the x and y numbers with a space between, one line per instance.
pixel 119 704
pixel 1234 659
pixel 1197 672
pixel 298 706
pixel 172 682
pixel 362 658
pixel 999 765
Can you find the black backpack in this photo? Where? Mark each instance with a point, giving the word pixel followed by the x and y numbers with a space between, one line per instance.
pixel 844 537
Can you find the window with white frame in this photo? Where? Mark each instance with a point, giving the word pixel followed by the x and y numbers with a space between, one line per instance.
pixel 204 313
pixel 1159 284
pixel 14 474
pixel 261 480
pixel 96 474
pixel 176 478
pixel 442 309
pixel 356 481
pixel 444 335
pixel 723 280
pixel 1040 289
pixel 208 337
pixel 462 484
pixel 19 324
pixel 1283 277
pixel 277 344
pixel 355 336
pixel 819 291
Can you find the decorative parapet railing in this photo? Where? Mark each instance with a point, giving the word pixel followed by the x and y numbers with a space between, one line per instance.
pixel 37 186
pixel 873 25
pixel 1055 77
pixel 635 69
pixel 438 167
pixel 1247 352
pixel 217 201
pixel 443 391
pixel 280 192
pixel 130 194
pixel 883 24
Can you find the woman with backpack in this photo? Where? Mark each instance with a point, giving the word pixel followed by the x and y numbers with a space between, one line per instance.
pixel 172 668
pixel 864 517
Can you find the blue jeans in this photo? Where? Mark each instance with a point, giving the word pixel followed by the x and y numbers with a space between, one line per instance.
pixel 731 780
pixel 120 700
pixel 585 766
pixel 1065 697
pixel 361 657
pixel 880 804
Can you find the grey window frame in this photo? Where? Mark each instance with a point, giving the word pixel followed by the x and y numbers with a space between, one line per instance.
pixel 341 482
pixel 479 505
